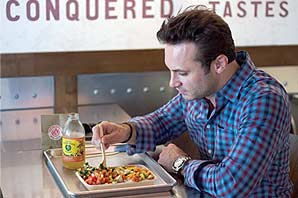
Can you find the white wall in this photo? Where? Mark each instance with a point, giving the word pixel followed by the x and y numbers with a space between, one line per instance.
pixel 31 26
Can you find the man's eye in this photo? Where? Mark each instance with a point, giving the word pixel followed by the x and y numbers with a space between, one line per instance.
pixel 182 73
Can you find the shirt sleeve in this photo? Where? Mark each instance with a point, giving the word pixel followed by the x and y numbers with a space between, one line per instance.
pixel 158 127
pixel 264 127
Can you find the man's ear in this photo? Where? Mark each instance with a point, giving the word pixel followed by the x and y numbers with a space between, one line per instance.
pixel 220 63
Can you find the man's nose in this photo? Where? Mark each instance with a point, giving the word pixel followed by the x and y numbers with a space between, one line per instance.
pixel 174 83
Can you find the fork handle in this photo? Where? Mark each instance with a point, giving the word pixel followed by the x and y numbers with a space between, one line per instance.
pixel 104 163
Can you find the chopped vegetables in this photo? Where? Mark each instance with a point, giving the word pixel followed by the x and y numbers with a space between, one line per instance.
pixel 113 175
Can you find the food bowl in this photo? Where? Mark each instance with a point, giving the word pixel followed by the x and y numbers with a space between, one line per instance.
pixel 135 175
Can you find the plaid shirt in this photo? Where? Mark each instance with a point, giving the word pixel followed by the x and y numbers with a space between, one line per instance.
pixel 244 142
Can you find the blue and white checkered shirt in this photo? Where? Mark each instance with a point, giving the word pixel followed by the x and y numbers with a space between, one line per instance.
pixel 244 144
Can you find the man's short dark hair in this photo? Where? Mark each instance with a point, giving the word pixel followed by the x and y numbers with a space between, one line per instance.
pixel 207 30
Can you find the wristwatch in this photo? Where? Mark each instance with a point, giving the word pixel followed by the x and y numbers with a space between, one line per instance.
pixel 179 163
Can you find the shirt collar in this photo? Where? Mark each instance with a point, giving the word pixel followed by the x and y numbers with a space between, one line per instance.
pixel 231 90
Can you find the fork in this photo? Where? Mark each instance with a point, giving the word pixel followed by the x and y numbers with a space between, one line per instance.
pixel 103 162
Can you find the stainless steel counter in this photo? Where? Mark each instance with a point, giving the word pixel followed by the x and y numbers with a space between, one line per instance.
pixel 24 174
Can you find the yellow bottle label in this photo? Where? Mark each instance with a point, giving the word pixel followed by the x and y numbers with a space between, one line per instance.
pixel 73 149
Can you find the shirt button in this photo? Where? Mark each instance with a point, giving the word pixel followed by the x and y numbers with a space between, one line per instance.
pixel 208 126
pixel 209 151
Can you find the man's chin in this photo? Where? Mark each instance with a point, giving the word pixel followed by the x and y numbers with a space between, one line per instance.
pixel 190 97
pixel 187 97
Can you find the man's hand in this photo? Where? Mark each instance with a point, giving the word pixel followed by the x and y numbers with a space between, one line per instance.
pixel 168 155
pixel 112 133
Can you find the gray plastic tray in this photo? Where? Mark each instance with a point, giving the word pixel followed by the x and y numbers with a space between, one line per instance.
pixel 71 186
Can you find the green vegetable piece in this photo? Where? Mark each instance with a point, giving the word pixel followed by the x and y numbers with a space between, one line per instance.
pixel 143 176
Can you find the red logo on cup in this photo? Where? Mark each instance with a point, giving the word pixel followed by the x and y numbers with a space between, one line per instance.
pixel 55 132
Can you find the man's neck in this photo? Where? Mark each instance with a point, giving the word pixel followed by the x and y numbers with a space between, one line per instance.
pixel 231 69
pixel 226 76
pixel 211 99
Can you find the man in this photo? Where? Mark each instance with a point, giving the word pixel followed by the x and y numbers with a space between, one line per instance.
pixel 237 116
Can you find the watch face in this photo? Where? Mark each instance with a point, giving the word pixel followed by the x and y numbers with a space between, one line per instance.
pixel 178 164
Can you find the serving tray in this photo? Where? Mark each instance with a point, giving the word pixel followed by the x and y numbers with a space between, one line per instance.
pixel 71 186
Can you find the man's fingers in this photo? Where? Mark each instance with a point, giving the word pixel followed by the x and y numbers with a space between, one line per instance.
pixel 95 134
pixel 107 132
pixel 100 130
pixel 110 138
